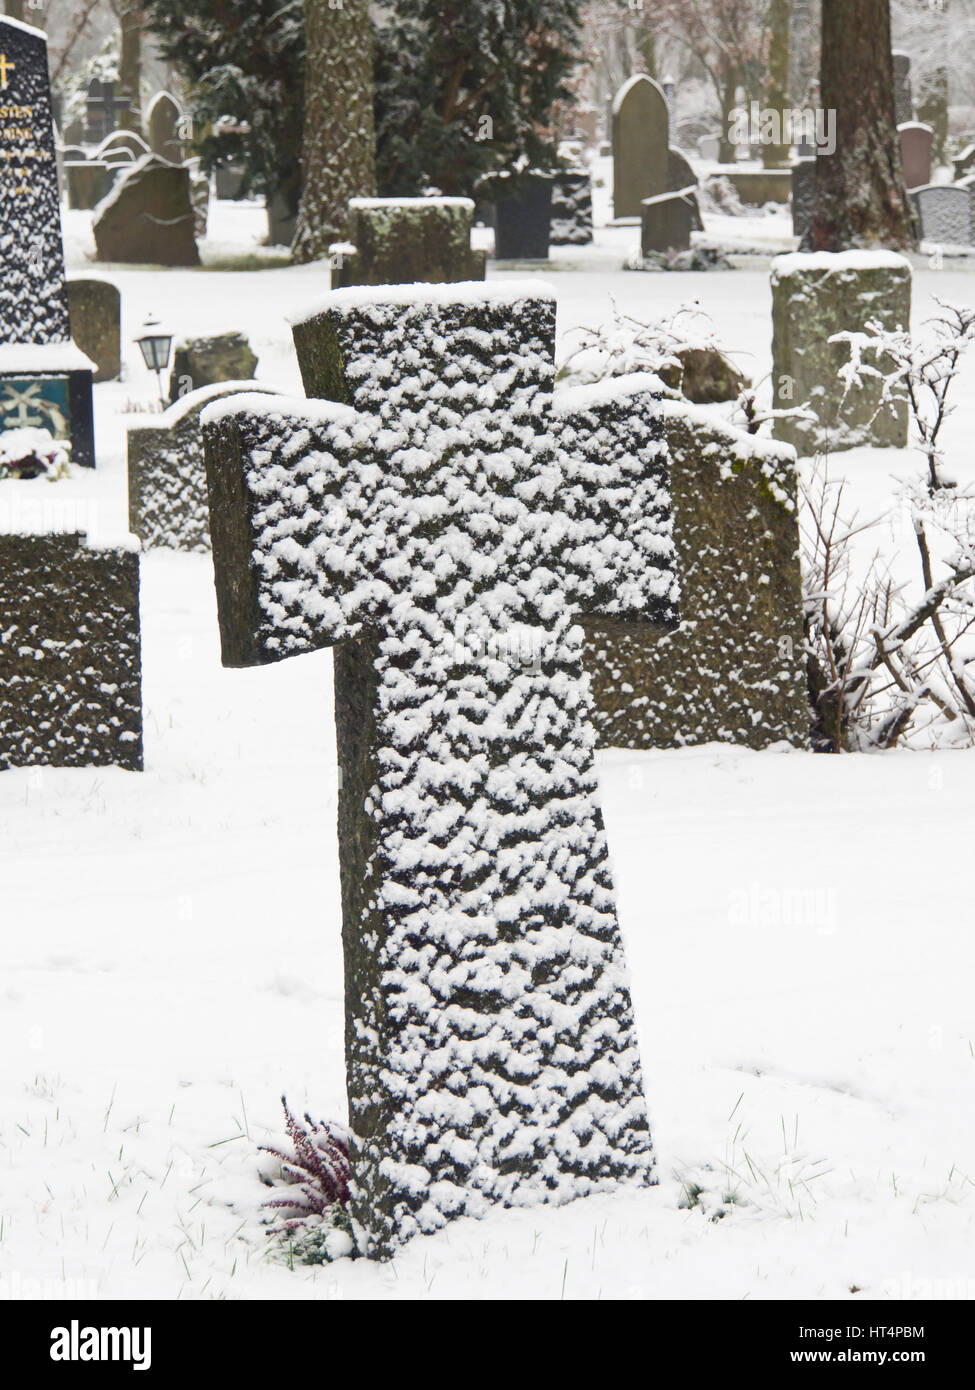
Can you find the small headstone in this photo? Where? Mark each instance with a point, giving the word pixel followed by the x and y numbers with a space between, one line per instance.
pixel 916 140
pixel 964 163
pixel 945 214
pixel 282 219
pixel 447 543
pixel 199 362
pixel 148 217
pixel 641 130
pixel 45 382
pixel 230 180
pixel 903 98
pixel 88 182
pixel 164 123
pixel 70 659
pixel 803 192
pixel 813 298
pixel 166 472
pixel 734 671
pixel 405 240
pixel 96 313
pixel 571 208
pixel 523 218
pixel 667 222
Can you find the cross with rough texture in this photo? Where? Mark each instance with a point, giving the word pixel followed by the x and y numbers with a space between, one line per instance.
pixel 441 520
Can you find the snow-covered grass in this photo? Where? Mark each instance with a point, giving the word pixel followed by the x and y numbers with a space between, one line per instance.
pixel 799 930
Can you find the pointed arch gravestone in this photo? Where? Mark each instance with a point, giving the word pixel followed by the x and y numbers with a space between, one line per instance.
pixel 164 125
pixel 442 520
pixel 641 137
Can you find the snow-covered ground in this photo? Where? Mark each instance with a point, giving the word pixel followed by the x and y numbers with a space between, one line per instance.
pixel 799 929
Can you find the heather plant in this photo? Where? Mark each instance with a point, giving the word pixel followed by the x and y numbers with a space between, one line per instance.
pixel 311 1190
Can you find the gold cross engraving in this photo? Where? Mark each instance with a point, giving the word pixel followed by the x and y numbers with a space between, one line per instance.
pixel 5 67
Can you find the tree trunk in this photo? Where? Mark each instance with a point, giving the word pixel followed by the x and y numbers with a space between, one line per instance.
pixel 777 91
pixel 860 198
pixel 339 147
pixel 14 9
pixel 727 153
pixel 132 22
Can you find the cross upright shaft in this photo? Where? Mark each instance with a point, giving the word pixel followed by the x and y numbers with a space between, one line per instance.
pixel 445 527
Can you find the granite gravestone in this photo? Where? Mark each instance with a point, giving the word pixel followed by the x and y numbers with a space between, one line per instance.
pixel 45 381
pixel 945 213
pixel 667 222
pixel 96 324
pixel 641 132
pixel 522 217
pixel 148 218
pixel 916 140
pixel 803 192
pixel 444 528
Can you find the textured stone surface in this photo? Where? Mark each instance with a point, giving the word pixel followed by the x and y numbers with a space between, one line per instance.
pixel 201 362
pixel 733 672
pixel 945 214
pixel 399 241
pixel 167 474
pixel 916 141
pixel 571 208
pixel 33 299
pixel 148 218
pixel 88 182
pixel 641 132
pixel 96 309
pixel 523 218
pixel 70 654
pixel 446 526
pixel 814 297
pixel 707 377
pixel 667 222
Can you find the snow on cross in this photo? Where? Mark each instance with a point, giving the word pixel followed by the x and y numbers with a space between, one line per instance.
pixel 435 515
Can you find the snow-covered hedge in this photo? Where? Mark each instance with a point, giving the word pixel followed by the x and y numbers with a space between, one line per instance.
pixel 70 653
pixel 447 527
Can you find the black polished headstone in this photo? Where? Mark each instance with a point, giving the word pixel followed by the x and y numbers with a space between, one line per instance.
pixel 33 297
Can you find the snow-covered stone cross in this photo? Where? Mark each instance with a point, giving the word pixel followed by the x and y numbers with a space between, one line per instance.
pixel 444 522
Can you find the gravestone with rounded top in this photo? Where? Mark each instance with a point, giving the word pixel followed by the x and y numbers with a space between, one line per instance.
pixel 96 315
pixel 641 130
pixel 916 141
pixel 945 213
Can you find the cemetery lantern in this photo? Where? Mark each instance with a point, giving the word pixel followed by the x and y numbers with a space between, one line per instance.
pixel 155 345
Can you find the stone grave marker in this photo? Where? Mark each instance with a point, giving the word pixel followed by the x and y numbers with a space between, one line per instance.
pixel 395 240
pixel 126 140
pixel 522 217
pixel 103 106
pixel 45 381
pixel 444 527
pixel 230 180
pixel 167 474
pixel 814 297
pixel 945 213
pixel 680 171
pixel 71 658
pixel 571 208
pixel 164 124
pixel 668 221
pixel 916 140
pixel 148 218
pixel 964 163
pixel 641 131
pixel 903 96
pixel 88 182
pixel 96 324
pixel 201 362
